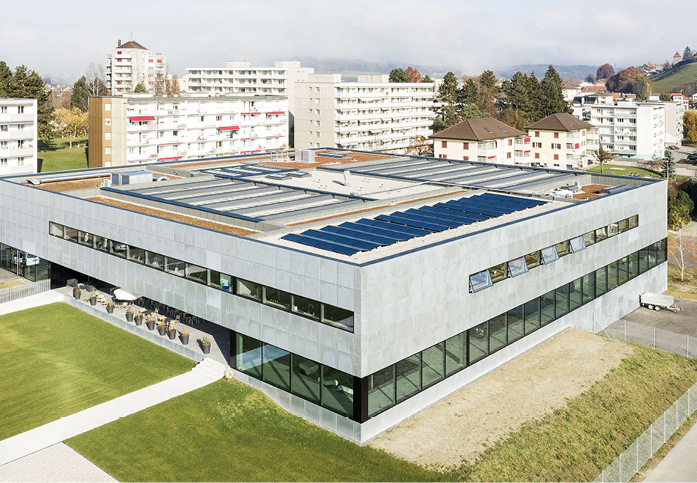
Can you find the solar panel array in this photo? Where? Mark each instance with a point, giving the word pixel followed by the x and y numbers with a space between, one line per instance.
pixel 366 234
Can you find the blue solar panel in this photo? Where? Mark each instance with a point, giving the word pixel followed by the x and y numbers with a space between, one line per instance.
pixel 340 240
pixel 397 236
pixel 323 245
pixel 369 237
pixel 410 222
pixel 395 227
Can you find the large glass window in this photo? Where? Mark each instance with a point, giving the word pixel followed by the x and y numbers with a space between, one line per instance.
pixel 623 225
pixel 643 260
pixel 117 248
pixel 588 287
pixel 337 317
pixel 337 391
pixel 589 238
pixel 306 307
pixel 408 376
pixel 277 298
pixel 517 267
pixel 196 273
pixel 498 272
pixel 71 234
pixel 563 248
pixel 248 355
pixel 245 288
pixel 549 254
pixel 601 234
pixel 54 229
pixel 533 259
pixel 478 342
pixel 613 276
pixel 455 353
pixel 381 390
pixel 136 254
pixel 305 378
pixel 577 244
pixel 562 301
pixel 600 281
pixel 432 365
pixel 480 281
pixel 623 269
pixel 532 315
pixel 154 260
pixel 175 267
pixel 547 308
pixel 101 244
pixel 220 280
pixel 276 366
pixel 633 221
pixel 86 239
pixel 575 294
pixel 633 265
pixel 516 324
pixel 613 229
pixel 497 333
pixel 662 250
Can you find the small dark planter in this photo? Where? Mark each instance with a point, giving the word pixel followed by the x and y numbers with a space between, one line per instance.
pixel 129 316
pixel 162 330
pixel 151 325
pixel 206 348
pixel 93 301
pixel 139 320
pixel 172 334
pixel 77 294
pixel 110 309
pixel 184 339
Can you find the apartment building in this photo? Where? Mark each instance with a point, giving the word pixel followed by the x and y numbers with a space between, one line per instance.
pixel 628 128
pixel 562 141
pixel 371 114
pixel 131 64
pixel 18 136
pixel 485 140
pixel 140 128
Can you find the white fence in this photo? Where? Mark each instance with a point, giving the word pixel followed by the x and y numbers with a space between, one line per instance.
pixel 17 292
pixel 646 445
pixel 664 340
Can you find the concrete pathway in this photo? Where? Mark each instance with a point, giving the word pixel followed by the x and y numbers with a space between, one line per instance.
pixel 55 432
pixel 31 301
pixel 680 463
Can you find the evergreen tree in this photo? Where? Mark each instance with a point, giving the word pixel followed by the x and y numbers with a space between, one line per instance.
pixel 29 85
pixel 427 79
pixel 469 93
pixel 447 91
pixel 140 89
pixel 79 97
pixel 5 77
pixel 687 53
pixel 552 96
pixel 590 78
pixel 517 94
pixel 488 91
pixel 535 99
pixel 399 75
pixel 668 165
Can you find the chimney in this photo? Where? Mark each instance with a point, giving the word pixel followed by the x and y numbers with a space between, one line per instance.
pixel 119 43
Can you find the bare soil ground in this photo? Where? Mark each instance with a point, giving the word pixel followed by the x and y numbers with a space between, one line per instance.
pixel 461 426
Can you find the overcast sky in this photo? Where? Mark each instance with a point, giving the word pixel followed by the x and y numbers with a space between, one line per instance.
pixel 61 38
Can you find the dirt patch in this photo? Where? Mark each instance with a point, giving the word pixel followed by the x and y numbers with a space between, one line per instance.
pixel 78 184
pixel 211 225
pixel 462 425
pixel 590 191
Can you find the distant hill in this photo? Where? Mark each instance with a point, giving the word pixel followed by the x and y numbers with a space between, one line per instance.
pixel 681 77
pixel 578 72
pixel 350 68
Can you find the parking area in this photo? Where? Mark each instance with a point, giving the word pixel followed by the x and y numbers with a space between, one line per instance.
pixel 683 322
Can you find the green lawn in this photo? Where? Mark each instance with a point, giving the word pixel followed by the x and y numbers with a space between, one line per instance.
pixel 676 78
pixel 624 170
pixel 228 431
pixel 56 360
pixel 56 155
pixel 579 441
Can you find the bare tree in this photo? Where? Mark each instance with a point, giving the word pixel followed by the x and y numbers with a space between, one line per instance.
pixel 682 251
pixel 419 146
pixel 94 81
pixel 160 84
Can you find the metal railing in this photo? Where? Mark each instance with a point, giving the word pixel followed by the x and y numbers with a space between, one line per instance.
pixel 645 446
pixel 17 292
pixel 664 340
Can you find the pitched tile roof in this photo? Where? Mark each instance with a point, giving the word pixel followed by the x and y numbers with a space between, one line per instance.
pixel 560 122
pixel 478 130
pixel 131 44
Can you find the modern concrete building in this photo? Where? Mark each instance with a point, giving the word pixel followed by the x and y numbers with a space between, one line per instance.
pixel 131 64
pixel 18 136
pixel 371 114
pixel 562 141
pixel 628 128
pixel 363 287
pixel 140 128
pixel 486 140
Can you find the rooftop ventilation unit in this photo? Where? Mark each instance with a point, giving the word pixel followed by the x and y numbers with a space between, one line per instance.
pixel 306 156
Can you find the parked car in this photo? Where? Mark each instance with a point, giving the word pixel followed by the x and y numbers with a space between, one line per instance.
pixel 27 260
pixel 692 157
pixel 674 148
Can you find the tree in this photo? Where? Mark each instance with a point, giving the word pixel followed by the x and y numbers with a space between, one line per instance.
pixel 469 93
pixel 94 82
pixel 488 91
pixel 29 85
pixel 601 156
pixel 682 250
pixel 5 77
pixel 79 98
pixel 630 81
pixel 427 79
pixel 172 86
pixel 420 146
pixel 413 74
pixel 552 95
pixel 447 91
pixel 71 122
pixel 668 165
pixel 590 78
pixel 664 97
pixel 605 71
pixel 679 208
pixel 689 125
pixel 535 98
pixel 398 75
pixel 140 89
pixel 687 54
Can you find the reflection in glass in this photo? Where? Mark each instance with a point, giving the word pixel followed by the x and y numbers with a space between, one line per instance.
pixel 154 260
pixel 381 390
pixel 337 317
pixel 86 239
pixel 136 254
pixel 408 376
pixel 337 391
pixel 432 365
pixel 54 229
pixel 563 248
pixel 588 287
pixel 196 273
pixel 549 254
pixel 577 244
pixel 497 333
pixel 589 238
pixel 174 266
pixel 455 353
pixel 245 288
pixel 562 301
pixel 118 249
pixel 575 294
pixel 305 379
pixel 547 308
pixel 532 315
pixel 101 243
pixel 479 342
pixel 480 281
pixel 600 281
pixel 533 259
pixel 498 272
pixel 517 267
pixel 71 234
pixel 276 366
pixel 276 298
pixel 248 358
pixel 516 324
pixel 306 307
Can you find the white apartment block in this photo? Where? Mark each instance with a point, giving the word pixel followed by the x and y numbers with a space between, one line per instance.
pixel 675 110
pixel 562 141
pixel 371 114
pixel 145 128
pixel 131 64
pixel 18 136
pixel 483 140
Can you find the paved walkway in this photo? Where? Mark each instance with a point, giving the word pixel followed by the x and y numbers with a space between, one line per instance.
pixel 37 300
pixel 680 463
pixel 55 432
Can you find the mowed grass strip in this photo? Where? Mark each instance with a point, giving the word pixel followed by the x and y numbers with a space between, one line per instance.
pixel 624 170
pixel 57 360
pixel 579 441
pixel 56 155
pixel 228 431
